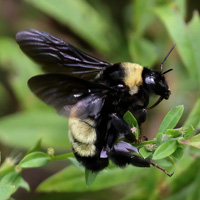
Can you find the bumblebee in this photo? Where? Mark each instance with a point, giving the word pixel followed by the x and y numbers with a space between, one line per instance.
pixel 94 95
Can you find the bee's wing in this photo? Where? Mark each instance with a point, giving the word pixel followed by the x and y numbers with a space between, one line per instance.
pixel 70 96
pixel 58 56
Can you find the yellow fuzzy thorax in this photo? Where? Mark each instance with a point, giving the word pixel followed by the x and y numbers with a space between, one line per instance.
pixel 133 76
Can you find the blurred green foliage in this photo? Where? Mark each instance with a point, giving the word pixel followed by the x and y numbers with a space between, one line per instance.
pixel 138 31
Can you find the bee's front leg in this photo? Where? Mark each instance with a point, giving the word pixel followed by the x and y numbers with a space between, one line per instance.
pixel 118 127
pixel 122 127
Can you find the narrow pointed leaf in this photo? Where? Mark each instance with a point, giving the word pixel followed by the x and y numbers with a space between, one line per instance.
pixel 36 147
pixel 180 34
pixel 193 118
pixel 83 19
pixel 130 120
pixel 193 141
pixel 90 177
pixel 143 151
pixel 171 119
pixel 73 180
pixel 35 159
pixel 165 149
pixel 6 191
pixel 15 179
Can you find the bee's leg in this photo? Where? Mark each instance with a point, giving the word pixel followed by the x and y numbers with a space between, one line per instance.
pixel 140 114
pixel 111 138
pixel 121 127
pixel 117 127
pixel 122 158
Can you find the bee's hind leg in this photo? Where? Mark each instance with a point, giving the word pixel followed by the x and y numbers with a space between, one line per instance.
pixel 122 158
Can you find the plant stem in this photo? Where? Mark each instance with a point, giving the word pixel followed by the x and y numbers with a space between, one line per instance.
pixel 146 142
pixel 63 156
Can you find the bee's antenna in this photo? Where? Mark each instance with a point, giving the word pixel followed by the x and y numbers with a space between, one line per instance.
pixel 161 66
pixel 169 70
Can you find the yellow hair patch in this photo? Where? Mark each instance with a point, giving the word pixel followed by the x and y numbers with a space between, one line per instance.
pixel 82 136
pixel 82 130
pixel 133 76
pixel 84 149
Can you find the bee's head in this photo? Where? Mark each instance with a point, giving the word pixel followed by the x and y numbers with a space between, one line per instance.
pixel 155 83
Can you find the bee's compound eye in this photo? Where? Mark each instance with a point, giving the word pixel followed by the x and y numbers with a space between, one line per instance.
pixel 149 80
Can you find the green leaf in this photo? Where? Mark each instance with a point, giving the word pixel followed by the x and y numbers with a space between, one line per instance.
pixel 195 193
pixel 83 19
pixel 183 37
pixel 193 118
pixel 178 153
pixel 35 159
pixel 174 132
pixel 7 166
pixel 193 32
pixel 36 147
pixel 142 15
pixel 144 153
pixel 6 191
pixel 3 103
pixel 165 162
pixel 185 174
pixel 160 138
pixel 90 177
pixel 130 120
pixel 165 149
pixel 188 131
pixel 181 6
pixel 20 70
pixel 73 180
pixel 193 141
pixel 26 128
pixel 142 51
pixel 15 179
pixel 171 119
pixel 76 164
